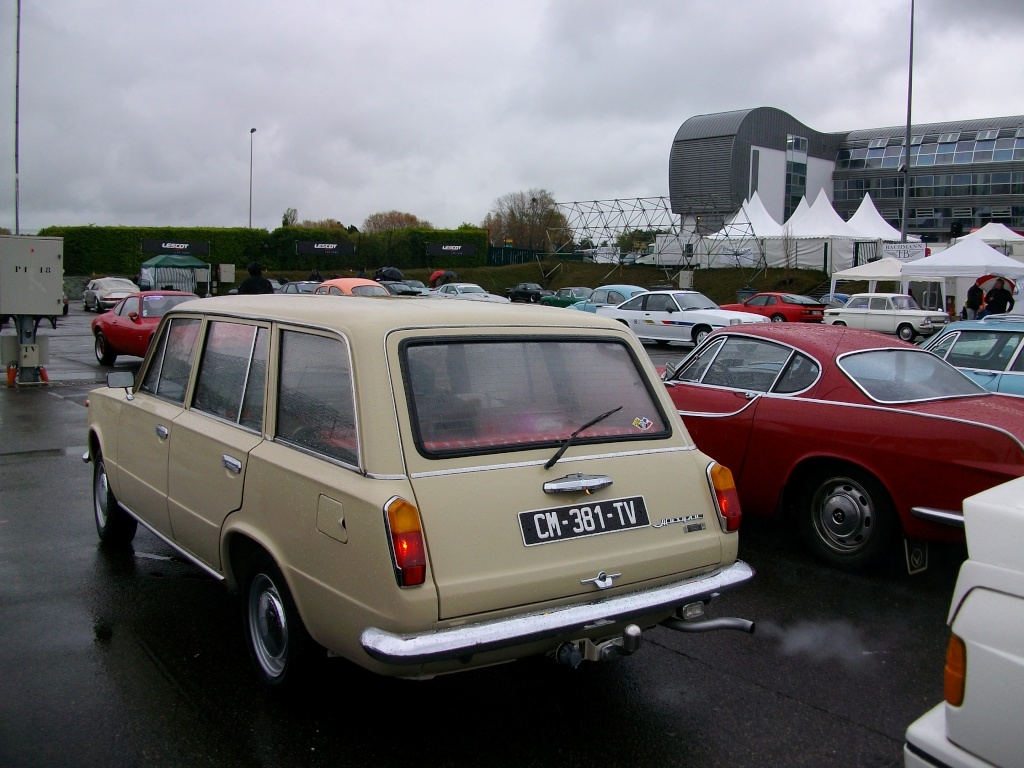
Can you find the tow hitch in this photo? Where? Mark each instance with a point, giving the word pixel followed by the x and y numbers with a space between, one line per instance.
pixel 572 654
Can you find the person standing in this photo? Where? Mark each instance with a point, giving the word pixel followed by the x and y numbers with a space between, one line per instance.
pixel 998 301
pixel 973 304
pixel 255 282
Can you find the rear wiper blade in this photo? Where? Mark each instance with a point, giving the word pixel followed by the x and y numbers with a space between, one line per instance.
pixel 568 441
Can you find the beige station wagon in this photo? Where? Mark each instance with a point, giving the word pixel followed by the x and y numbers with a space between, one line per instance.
pixel 417 486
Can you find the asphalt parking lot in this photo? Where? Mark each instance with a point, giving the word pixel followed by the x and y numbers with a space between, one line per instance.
pixel 139 659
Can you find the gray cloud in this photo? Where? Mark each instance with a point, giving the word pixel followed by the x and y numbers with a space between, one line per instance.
pixel 139 113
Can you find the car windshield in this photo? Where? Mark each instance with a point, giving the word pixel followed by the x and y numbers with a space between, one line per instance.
pixel 369 290
pixel 583 293
pixel 500 395
pixel 157 306
pixel 904 302
pixel 694 301
pixel 905 375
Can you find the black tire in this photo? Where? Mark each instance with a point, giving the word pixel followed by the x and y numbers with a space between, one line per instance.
pixel 846 518
pixel 661 342
pixel 65 310
pixel 777 318
pixel 116 528
pixel 281 650
pixel 104 354
pixel 699 334
pixel 906 332
pixel 839 323
pixel 534 299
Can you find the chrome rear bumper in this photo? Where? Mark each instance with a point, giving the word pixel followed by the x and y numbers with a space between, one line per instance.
pixel 581 618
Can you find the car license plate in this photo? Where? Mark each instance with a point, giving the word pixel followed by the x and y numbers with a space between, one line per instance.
pixel 543 526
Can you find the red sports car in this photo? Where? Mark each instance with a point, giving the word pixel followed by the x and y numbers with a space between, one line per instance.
pixel 782 307
pixel 129 326
pixel 856 436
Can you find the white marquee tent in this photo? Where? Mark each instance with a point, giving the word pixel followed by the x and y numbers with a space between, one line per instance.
pixel 883 270
pixel 960 265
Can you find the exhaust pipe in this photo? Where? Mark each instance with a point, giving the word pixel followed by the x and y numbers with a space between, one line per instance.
pixel 709 625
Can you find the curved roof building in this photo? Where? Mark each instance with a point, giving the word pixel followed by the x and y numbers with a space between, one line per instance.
pixel 962 174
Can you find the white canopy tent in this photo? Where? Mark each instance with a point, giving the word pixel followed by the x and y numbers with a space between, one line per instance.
pixel 869 223
pixel 814 237
pixel 960 265
pixel 883 270
pixel 999 236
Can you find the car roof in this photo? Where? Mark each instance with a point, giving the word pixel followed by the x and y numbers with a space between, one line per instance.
pixel 886 295
pixel 818 340
pixel 989 323
pixel 376 315
pixel 346 282
pixel 621 287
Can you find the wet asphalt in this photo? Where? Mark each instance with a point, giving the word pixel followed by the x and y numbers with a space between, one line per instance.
pixel 138 660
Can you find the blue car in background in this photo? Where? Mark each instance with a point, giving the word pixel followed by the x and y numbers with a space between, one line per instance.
pixel 987 350
pixel 607 296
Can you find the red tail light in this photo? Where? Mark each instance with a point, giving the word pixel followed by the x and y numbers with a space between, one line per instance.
pixel 955 678
pixel 406 536
pixel 727 500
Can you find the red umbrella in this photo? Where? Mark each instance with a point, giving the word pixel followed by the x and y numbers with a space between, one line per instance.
pixel 437 273
pixel 988 282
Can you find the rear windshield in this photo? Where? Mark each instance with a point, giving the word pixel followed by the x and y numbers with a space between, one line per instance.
pixel 906 375
pixel 486 396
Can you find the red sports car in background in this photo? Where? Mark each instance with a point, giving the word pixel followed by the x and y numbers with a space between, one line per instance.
pixel 782 307
pixel 856 436
pixel 129 326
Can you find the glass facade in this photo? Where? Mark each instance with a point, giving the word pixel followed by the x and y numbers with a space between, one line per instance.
pixel 796 172
pixel 952 179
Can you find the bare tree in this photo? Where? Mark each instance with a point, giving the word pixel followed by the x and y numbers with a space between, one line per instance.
pixel 290 218
pixel 524 218
pixel 382 222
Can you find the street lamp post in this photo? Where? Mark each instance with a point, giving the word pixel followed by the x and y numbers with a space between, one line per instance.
pixel 906 138
pixel 251 132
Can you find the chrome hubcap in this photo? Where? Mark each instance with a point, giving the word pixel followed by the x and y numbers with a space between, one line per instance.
pixel 100 496
pixel 268 626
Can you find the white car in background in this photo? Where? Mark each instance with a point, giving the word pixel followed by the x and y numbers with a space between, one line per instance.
pixel 979 723
pixel 665 316
pixel 103 293
pixel 895 313
pixel 470 291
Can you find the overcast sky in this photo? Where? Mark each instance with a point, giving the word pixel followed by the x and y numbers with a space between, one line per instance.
pixel 138 112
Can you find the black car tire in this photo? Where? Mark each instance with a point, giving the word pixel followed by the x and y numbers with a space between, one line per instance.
pixel 906 332
pixel 116 528
pixel 104 354
pixel 699 334
pixel 845 517
pixel 281 650
pixel 777 318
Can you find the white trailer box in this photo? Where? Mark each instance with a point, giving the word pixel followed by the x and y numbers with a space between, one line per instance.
pixel 31 275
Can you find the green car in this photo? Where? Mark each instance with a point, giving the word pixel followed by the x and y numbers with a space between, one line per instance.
pixel 564 297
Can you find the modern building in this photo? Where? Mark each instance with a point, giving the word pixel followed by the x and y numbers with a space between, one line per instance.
pixel 961 175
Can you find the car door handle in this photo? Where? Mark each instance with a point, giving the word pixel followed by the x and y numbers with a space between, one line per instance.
pixel 162 432
pixel 231 463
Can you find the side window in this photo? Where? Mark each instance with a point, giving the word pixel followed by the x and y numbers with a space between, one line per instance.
pixel 942 347
pixel 169 369
pixel 126 306
pixel 857 303
pixel 747 364
pixel 758 301
pixel 315 403
pixel 800 374
pixel 615 297
pixel 600 297
pixel 694 368
pixel 635 305
pixel 880 303
pixel 232 372
pixel 658 302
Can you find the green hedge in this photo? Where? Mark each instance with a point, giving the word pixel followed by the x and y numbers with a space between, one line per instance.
pixel 95 250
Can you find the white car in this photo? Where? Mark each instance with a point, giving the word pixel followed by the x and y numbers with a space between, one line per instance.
pixel 665 316
pixel 103 293
pixel 470 291
pixel 979 723
pixel 894 313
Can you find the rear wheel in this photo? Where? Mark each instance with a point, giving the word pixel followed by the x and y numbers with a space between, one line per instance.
pixel 839 322
pixel 104 353
pixel 700 333
pixel 906 332
pixel 777 318
pixel 846 517
pixel 116 528
pixel 280 648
